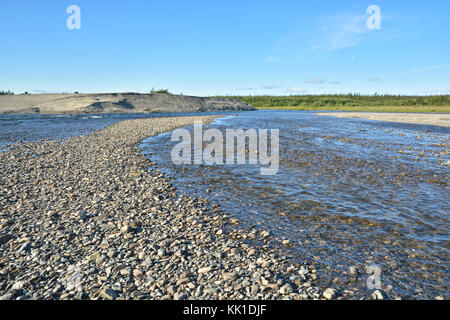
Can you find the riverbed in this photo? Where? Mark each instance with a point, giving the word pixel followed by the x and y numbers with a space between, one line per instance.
pixel 350 193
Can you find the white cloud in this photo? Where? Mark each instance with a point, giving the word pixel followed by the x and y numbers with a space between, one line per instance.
pixel 373 79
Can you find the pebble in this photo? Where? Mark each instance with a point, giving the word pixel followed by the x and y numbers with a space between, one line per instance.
pixel 5 238
pixel 109 294
pixel 137 273
pixel 231 276
pixel 353 271
pixel 19 285
pixel 286 289
pixel 329 293
pixel 204 270
pixel 180 296
pixel 7 296
pixel 254 289
pixel 24 247
pixel 378 295
pixel 210 291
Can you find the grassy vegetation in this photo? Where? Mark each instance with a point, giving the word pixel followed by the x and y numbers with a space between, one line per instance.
pixel 422 109
pixel 351 102
pixel 159 91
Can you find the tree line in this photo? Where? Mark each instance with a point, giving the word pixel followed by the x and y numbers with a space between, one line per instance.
pixel 341 100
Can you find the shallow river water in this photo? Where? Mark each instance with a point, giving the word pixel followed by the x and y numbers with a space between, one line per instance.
pixel 348 193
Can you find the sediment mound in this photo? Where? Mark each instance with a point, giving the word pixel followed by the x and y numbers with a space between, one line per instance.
pixel 115 102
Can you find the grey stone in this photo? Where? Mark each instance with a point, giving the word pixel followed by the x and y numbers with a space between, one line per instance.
pixel 7 296
pixel 109 294
pixel 180 296
pixel 25 247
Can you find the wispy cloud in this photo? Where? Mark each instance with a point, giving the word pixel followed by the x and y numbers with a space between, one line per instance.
pixel 327 33
pixel 420 70
pixel 320 36
pixel 44 91
pixel 436 67
pixel 316 80
pixel 290 89
pixel 341 31
pixel 265 87
pixel 271 87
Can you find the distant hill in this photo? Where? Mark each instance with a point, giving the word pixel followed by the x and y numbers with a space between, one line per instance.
pixel 115 103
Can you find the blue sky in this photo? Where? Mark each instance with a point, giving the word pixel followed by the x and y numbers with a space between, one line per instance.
pixel 226 47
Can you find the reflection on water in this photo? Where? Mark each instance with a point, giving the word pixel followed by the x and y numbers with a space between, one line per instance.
pixel 349 192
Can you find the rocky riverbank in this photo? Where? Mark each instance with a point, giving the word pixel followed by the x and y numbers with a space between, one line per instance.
pixel 89 218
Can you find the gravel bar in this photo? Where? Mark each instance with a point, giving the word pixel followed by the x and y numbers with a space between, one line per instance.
pixel 89 218
pixel 438 119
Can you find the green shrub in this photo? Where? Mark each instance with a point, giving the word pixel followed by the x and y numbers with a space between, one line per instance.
pixel 159 91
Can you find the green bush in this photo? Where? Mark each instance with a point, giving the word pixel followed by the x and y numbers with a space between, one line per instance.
pixel 159 91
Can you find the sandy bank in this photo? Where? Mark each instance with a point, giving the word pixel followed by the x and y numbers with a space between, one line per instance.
pixel 115 102
pixel 429 119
